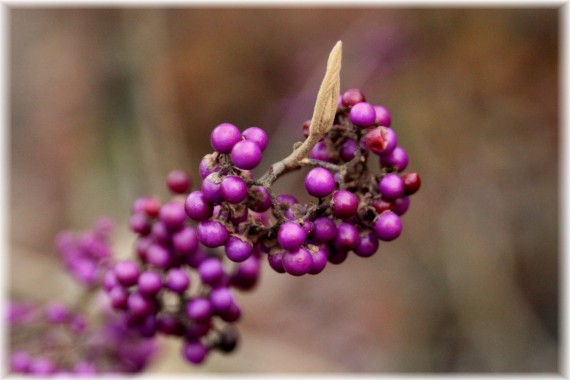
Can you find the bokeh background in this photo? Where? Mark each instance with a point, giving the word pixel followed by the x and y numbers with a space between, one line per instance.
pixel 105 102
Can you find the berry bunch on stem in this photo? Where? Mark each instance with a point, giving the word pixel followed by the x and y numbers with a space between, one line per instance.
pixel 193 251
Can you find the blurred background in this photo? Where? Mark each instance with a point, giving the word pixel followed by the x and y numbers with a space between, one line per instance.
pixel 105 102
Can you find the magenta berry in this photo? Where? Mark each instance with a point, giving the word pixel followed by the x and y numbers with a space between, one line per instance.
pixel 362 115
pixel 246 154
pixel 237 249
pixel 383 117
pixel 397 159
pixel 212 188
pixel 391 186
pixel 224 137
pixel 233 189
pixel 291 236
pixel 319 182
pixel 352 97
pixel 178 181
pixel 257 135
pixel 367 245
pixel 344 204
pixel 297 263
pixel 212 234
pixel 387 226
pixel 197 207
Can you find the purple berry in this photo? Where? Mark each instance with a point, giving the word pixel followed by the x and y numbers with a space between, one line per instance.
pixel 177 280
pixel 362 115
pixel 291 236
pixel 232 314
pixel 211 271
pixel 224 137
pixel 383 117
pixel 178 181
pixel 257 135
pixel 185 241
pixel 347 237
pixel 298 262
pixel 237 249
pixel 391 186
pixel 148 205
pixel 127 272
pixel 159 233
pixel 275 261
pixel 352 97
pixel 139 305
pixel 324 229
pixel 169 325
pixel 398 159
pixel 367 246
pixel 319 260
pixel 158 256
pixel 208 166
pixel 401 205
pixel 197 207
pixel 140 223
pixel 221 299
pixel 172 215
pixel 287 200
pixel 387 226
pixel 233 189
pixel 194 351
pixel 321 153
pixel 212 188
pixel 344 204
pixel 319 182
pixel 199 309
pixel 348 150
pixel 212 234
pixel 247 273
pixel 118 297
pixel 246 155
pixel 149 283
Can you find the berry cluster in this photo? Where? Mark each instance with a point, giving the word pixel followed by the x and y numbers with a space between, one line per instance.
pixel 177 286
pixel 355 208
pixel 56 340
pixel 87 255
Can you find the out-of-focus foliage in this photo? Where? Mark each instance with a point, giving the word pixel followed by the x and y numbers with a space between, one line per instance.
pixel 105 102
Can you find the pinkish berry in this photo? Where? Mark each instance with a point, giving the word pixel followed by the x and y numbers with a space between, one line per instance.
pixel 362 115
pixel 224 137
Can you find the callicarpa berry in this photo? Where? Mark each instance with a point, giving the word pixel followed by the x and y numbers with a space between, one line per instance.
pixel 367 246
pixel 197 207
pixel 383 117
pixel 212 234
pixel 319 260
pixel 344 204
pixel 172 215
pixel 391 186
pixel 237 249
pixel 177 280
pixel 362 115
pixel 178 181
pixel 324 229
pixel 412 183
pixel 387 226
pixel 291 236
pixel 397 159
pixel 319 182
pixel 246 154
pixel 149 283
pixel 224 137
pixel 352 97
pixel 348 150
pixel 194 351
pixel 212 188
pixel 233 189
pixel 401 205
pixel 297 263
pixel 257 135
pixel 320 152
